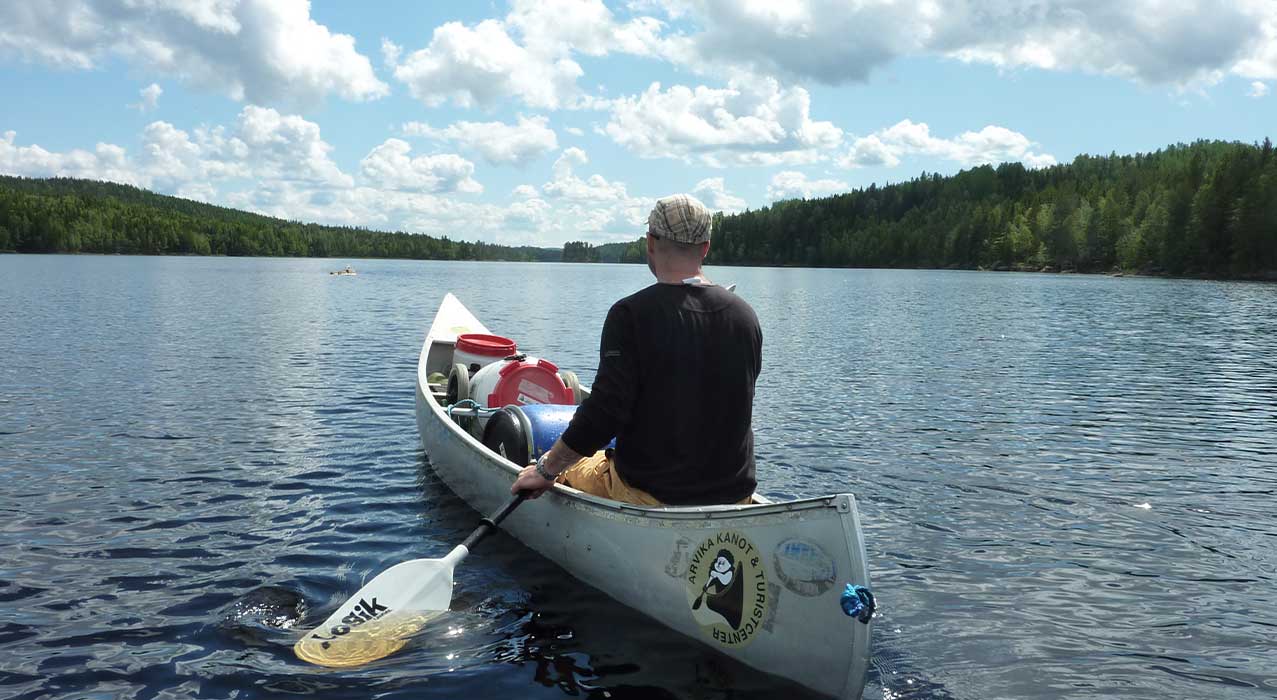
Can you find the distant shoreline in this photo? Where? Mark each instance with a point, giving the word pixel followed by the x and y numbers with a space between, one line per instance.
pixel 1197 211
pixel 1269 277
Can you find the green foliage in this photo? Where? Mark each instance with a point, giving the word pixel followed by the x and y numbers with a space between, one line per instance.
pixel 1209 207
pixel 632 252
pixel 579 251
pixel 61 215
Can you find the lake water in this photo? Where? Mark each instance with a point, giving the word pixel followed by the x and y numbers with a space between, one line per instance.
pixel 1066 482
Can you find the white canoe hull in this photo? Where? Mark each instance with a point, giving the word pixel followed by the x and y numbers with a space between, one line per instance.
pixel 780 613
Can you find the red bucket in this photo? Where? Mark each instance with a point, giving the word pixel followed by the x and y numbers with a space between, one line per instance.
pixel 477 350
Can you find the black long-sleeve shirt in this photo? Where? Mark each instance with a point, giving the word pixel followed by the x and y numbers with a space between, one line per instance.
pixel 675 387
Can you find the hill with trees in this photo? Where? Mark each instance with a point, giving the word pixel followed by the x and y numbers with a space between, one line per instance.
pixel 63 215
pixel 580 251
pixel 1205 208
pixel 632 252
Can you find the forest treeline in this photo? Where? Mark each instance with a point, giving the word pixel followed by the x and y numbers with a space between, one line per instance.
pixel 62 215
pixel 1205 208
pixel 579 251
pixel 1209 207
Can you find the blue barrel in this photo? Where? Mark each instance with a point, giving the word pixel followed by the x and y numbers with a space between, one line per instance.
pixel 522 434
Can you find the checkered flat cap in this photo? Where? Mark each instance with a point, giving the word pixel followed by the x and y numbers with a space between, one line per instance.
pixel 680 218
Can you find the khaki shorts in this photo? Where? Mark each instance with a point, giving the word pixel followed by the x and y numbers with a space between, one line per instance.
pixel 597 476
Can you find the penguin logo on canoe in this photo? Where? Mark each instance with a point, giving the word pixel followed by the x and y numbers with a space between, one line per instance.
pixel 723 589
pixel 727 588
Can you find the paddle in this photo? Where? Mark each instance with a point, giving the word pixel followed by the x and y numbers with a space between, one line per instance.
pixel 700 598
pixel 712 578
pixel 378 620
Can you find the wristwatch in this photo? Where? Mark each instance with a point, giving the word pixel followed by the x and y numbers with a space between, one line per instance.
pixel 542 471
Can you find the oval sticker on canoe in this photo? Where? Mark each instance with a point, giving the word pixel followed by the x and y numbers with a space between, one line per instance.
pixel 804 567
pixel 727 588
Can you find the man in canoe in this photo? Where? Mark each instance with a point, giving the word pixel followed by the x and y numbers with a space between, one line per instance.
pixel 675 384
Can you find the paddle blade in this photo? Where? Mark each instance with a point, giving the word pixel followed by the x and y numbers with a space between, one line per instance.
pixel 378 620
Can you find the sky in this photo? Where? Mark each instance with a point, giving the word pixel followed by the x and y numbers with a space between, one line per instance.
pixel 543 121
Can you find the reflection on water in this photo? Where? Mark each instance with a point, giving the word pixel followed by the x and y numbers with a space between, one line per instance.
pixel 1065 481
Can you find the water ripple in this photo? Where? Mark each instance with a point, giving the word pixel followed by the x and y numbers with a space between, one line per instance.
pixel 1065 481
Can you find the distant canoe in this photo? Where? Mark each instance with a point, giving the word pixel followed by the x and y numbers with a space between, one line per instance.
pixel 762 583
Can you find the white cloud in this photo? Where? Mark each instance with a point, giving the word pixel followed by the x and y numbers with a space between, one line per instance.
pixel 574 131
pixel 198 191
pixel 172 159
pixel 525 192
pixel 828 40
pixel 528 55
pixel 260 51
pixel 870 151
pixel 530 214
pixel 377 208
pixel 569 159
pixel 390 52
pixel 1261 61
pixel 789 184
pixel 105 162
pixel 150 98
pixel 756 123
pixel 594 204
pixel 482 66
pixel 719 197
pixel 391 167
pixel 263 145
pixel 556 27
pixel 992 144
pixel 288 147
pixel 567 185
pixel 499 143
pixel 1257 89
pixel 1179 42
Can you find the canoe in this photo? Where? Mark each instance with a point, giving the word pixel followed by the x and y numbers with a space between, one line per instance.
pixel 763 583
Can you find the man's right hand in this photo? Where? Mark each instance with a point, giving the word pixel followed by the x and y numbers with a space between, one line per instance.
pixel 531 482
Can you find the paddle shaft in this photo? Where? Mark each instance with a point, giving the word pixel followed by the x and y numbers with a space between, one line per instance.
pixel 489 525
pixel 701 598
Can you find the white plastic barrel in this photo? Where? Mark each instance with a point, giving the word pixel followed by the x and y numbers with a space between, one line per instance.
pixel 519 382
